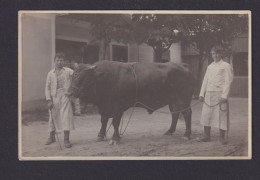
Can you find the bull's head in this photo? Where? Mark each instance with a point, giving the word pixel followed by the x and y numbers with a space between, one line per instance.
pixel 82 82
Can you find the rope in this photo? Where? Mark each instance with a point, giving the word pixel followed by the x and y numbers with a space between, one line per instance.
pixel 55 128
pixel 227 111
pixel 165 112
pixel 122 122
pixel 128 121
pixel 147 107
pixel 109 127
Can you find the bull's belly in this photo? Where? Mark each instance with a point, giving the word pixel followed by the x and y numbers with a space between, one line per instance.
pixel 153 103
pixel 148 103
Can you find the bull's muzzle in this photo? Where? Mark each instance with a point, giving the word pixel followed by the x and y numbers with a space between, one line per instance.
pixel 72 91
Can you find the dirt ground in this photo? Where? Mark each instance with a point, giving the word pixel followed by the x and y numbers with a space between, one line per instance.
pixel 144 136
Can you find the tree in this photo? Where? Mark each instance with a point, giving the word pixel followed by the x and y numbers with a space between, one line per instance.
pixel 157 31
pixel 198 31
pixel 203 31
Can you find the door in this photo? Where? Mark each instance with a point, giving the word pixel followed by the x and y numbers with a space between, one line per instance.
pixel 120 53
pixel 90 54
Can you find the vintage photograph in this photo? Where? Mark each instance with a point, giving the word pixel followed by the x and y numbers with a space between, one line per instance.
pixel 134 85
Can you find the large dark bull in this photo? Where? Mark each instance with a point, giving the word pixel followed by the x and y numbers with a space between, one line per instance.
pixel 114 87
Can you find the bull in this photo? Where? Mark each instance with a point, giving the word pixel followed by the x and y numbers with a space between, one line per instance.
pixel 115 87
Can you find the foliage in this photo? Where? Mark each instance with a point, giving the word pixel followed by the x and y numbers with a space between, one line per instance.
pixel 200 31
pixel 157 31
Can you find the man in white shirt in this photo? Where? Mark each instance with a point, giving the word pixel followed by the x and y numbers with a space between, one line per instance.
pixel 214 93
pixel 61 115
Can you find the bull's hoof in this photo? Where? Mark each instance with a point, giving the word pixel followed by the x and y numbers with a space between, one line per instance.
pixel 168 133
pixel 113 142
pixel 186 137
pixel 116 138
pixel 99 139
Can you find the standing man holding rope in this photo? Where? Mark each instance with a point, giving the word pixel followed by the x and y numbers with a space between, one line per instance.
pixel 214 93
pixel 61 115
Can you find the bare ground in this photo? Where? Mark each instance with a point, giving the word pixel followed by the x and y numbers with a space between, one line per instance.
pixel 144 137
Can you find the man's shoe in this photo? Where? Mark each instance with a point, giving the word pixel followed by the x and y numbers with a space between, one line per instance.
pixel 66 139
pixel 51 139
pixel 206 137
pixel 222 138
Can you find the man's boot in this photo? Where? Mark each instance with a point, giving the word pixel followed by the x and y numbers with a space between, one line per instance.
pixel 222 133
pixel 206 137
pixel 51 139
pixel 66 139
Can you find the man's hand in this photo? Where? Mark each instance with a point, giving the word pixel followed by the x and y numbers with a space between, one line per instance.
pixel 223 100
pixel 201 99
pixel 49 104
pixel 68 94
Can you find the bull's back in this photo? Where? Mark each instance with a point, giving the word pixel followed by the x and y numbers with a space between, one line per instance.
pixel 148 77
pixel 159 75
pixel 153 84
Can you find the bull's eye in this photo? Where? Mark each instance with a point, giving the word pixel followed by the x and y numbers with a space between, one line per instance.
pixel 75 75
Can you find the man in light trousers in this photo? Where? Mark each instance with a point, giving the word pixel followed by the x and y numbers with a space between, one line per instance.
pixel 214 92
pixel 61 115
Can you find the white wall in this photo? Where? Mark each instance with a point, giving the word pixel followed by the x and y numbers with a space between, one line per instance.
pixel 133 52
pixel 145 53
pixel 38 48
pixel 175 52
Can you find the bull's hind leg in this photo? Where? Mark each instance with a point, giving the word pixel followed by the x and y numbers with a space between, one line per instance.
pixel 187 117
pixel 116 136
pixel 102 132
pixel 175 117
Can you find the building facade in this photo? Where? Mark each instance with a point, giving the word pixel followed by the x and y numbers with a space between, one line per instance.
pixel 44 34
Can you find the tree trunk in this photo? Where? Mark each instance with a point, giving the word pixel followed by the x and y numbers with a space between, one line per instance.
pixel 103 50
pixel 201 58
pixel 158 49
pixel 158 56
pixel 199 78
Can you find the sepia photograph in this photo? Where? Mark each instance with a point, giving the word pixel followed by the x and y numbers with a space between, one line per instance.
pixel 134 85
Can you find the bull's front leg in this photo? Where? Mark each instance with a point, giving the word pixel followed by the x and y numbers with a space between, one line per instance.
pixel 116 136
pixel 102 132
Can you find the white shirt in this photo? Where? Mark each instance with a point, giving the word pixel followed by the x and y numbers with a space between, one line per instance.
pixel 52 81
pixel 218 77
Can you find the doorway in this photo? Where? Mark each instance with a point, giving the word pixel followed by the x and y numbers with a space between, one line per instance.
pixel 90 54
pixel 120 53
pixel 70 48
